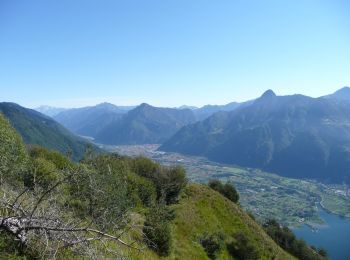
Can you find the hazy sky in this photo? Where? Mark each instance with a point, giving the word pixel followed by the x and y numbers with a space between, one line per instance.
pixel 170 52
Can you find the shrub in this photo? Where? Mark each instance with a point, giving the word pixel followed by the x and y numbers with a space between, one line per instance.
pixel 169 181
pixel 230 192
pixel 212 244
pixel 286 239
pixel 216 185
pixel 60 161
pixel 101 187
pixel 12 249
pixel 227 189
pixel 323 252
pixel 13 156
pixel 242 248
pixel 145 167
pixel 141 190
pixel 157 230
pixel 42 172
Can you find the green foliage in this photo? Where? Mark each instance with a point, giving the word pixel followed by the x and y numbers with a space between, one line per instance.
pixel 145 167
pixel 141 190
pixel 284 237
pixel 227 189
pixel 212 244
pixel 168 181
pixel 242 248
pixel 46 167
pixel 101 184
pixel 10 249
pixel 322 252
pixel 60 161
pixel 13 156
pixel 201 210
pixel 43 172
pixel 157 229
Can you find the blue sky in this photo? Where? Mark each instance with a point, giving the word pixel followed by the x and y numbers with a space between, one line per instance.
pixel 170 52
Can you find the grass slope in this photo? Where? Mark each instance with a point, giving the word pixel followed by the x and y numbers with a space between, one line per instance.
pixel 202 210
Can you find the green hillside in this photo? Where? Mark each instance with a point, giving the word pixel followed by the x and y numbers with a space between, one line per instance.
pixel 201 211
pixel 38 129
pixel 13 156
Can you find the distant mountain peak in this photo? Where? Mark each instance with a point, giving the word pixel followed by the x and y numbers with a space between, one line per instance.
pixel 266 96
pixel 345 89
pixel 106 105
pixel 145 105
pixel 340 94
pixel 268 93
pixel 49 111
pixel 187 107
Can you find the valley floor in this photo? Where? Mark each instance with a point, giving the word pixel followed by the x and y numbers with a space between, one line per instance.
pixel 290 201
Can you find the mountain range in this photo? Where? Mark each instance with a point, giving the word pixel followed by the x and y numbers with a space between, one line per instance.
pixel 88 121
pixel 296 136
pixel 145 125
pixel 50 111
pixel 38 129
pixel 341 94
pixel 208 110
pixel 111 124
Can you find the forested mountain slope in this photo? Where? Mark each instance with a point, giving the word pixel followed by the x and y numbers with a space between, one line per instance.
pixel 88 121
pixel 145 125
pixel 36 128
pixel 296 136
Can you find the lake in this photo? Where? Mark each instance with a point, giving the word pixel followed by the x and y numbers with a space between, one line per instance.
pixel 334 236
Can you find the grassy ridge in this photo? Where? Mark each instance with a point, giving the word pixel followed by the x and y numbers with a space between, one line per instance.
pixel 203 210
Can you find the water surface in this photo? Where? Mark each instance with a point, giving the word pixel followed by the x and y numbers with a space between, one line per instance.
pixel 334 236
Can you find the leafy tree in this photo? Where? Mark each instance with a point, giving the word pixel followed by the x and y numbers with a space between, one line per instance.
pixel 42 172
pixel 227 189
pixel 145 167
pixel 216 185
pixel 101 184
pixel 212 244
pixel 286 239
pixel 13 156
pixel 243 248
pixel 323 252
pixel 141 190
pixel 60 161
pixel 157 229
pixel 230 192
pixel 169 181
